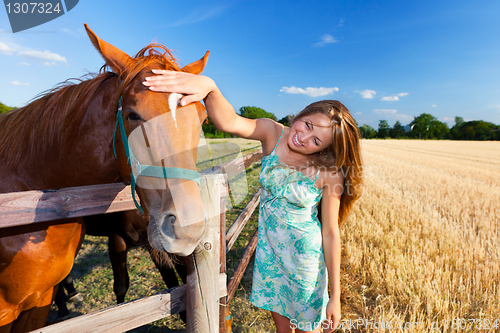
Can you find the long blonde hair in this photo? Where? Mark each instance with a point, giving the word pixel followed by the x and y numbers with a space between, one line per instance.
pixel 343 155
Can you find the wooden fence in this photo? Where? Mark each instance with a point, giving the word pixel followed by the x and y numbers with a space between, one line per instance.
pixel 205 299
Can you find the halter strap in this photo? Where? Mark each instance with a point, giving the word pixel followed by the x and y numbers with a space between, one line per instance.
pixel 147 170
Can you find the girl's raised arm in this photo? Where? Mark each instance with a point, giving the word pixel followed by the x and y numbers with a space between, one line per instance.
pixel 220 111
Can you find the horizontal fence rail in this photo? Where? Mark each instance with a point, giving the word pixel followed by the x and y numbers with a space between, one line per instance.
pixel 27 207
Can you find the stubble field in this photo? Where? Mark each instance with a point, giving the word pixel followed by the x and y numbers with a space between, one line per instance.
pixel 419 251
pixel 421 247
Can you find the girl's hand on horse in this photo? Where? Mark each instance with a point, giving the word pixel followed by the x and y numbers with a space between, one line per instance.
pixel 194 87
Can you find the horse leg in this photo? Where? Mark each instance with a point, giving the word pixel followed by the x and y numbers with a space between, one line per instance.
pixel 35 318
pixel 60 300
pixel 73 294
pixel 118 256
pixel 180 267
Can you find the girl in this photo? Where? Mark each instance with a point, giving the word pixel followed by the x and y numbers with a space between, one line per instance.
pixel 316 159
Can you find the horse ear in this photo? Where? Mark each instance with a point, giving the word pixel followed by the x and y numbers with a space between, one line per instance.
pixel 197 66
pixel 114 57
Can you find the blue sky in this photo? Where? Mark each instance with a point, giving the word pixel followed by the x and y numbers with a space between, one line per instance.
pixel 388 60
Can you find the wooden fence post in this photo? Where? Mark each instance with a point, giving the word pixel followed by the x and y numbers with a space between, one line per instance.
pixel 224 321
pixel 202 295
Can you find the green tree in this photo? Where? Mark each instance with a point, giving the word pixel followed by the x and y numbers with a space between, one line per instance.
pixel 441 130
pixel 479 130
pixel 468 132
pixel 367 132
pixel 383 129
pixel 209 129
pixel 254 112
pixel 397 130
pixel 474 130
pixel 286 120
pixel 425 126
pixel 455 130
pixel 4 108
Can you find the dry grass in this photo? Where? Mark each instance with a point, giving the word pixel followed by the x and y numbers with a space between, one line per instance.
pixel 421 245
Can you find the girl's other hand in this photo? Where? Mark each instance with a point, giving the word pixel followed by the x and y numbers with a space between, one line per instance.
pixel 333 314
pixel 194 87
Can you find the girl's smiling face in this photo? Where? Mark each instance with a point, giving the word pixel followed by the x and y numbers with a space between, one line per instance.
pixel 310 134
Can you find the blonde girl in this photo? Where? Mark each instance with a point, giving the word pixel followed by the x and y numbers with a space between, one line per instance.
pixel 310 178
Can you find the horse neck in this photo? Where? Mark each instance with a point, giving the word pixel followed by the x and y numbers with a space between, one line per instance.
pixel 81 151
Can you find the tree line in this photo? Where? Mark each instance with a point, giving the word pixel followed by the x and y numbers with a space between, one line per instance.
pixel 251 112
pixel 424 127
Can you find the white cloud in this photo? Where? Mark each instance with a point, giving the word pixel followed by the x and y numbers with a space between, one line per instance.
pixel 393 115
pixel 367 94
pixel 5 49
pixel 358 113
pixel 17 83
pixel 309 91
pixel 10 47
pixel 434 106
pixel 74 33
pixel 402 117
pixel 326 39
pixel 393 97
pixel 46 57
pixel 200 14
pixel 385 111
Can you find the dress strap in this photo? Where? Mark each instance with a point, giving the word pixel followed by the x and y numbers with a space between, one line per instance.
pixel 315 178
pixel 282 130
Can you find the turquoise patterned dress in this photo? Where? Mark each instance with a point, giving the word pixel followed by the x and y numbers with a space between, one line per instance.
pixel 290 275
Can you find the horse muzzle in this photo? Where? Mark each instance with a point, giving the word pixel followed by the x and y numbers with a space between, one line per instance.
pixel 166 234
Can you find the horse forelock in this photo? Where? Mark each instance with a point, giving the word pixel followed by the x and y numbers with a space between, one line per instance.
pixel 154 53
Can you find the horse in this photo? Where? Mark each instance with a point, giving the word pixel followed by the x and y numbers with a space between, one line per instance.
pixel 126 230
pixel 76 135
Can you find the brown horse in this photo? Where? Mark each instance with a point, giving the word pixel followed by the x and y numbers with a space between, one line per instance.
pixel 126 230
pixel 65 138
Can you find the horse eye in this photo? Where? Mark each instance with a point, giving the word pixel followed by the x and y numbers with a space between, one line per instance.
pixel 133 116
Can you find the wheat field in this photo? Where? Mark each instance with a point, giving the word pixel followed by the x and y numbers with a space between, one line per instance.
pixel 420 250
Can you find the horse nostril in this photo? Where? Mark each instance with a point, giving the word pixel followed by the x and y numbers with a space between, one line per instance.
pixel 168 224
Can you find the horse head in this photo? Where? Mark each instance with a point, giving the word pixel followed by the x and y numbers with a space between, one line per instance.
pixel 156 146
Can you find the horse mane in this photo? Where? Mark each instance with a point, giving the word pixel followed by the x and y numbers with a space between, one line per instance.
pixel 145 57
pixel 53 117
